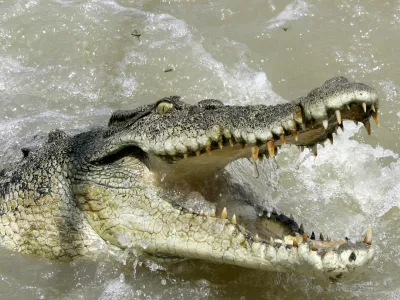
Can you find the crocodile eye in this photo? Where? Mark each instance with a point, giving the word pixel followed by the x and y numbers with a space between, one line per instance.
pixel 164 107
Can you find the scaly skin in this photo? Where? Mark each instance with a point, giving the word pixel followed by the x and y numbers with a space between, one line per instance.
pixel 76 196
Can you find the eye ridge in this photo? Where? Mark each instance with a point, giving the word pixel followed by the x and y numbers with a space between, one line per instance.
pixel 164 107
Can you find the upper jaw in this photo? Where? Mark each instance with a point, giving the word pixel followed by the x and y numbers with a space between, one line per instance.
pixel 208 138
pixel 192 130
pixel 304 122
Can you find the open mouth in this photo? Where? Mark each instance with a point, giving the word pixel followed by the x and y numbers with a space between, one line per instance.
pixel 199 170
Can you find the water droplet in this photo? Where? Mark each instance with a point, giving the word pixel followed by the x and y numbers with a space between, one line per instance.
pixel 255 170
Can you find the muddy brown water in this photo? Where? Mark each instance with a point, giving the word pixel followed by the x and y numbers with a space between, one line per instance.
pixel 69 64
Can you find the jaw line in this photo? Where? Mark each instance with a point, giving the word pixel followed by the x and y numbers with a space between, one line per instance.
pixel 195 170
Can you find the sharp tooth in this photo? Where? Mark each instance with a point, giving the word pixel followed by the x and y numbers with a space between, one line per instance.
pixel 291 217
pixel 254 151
pixel 325 124
pixel 368 236
pixel 367 126
pixel 348 107
pixel 338 116
pixel 313 235
pixel 208 149
pixel 313 247
pixel 231 142
pixel 233 221
pixel 271 148
pixel 295 244
pixel 364 106
pixel 373 107
pixel 298 116
pixel 375 116
pixel 274 211
pixel 224 213
pixel 294 134
pixel 341 127
pixel 201 213
pixel 314 150
pixel 271 240
pixel 305 236
pixel 185 156
pixel 301 230
pixel 220 145
pixel 330 138
pixel 256 238
pixel 212 214
pixel 355 122
pixel 321 237
pixel 283 139
pixel 198 153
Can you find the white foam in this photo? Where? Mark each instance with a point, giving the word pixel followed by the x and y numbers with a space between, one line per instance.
pixel 360 174
pixel 117 289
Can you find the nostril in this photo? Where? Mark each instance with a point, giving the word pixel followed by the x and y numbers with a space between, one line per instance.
pixel 352 257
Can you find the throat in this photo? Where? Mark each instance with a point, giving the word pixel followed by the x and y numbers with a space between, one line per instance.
pixel 193 172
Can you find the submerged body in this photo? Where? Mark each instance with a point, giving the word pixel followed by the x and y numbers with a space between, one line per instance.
pixel 104 189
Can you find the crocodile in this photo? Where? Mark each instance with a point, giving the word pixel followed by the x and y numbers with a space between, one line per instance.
pixel 109 188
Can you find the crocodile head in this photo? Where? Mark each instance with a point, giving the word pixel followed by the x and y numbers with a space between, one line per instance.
pixel 118 182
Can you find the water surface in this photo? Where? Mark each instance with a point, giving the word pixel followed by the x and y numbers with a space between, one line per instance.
pixel 69 64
